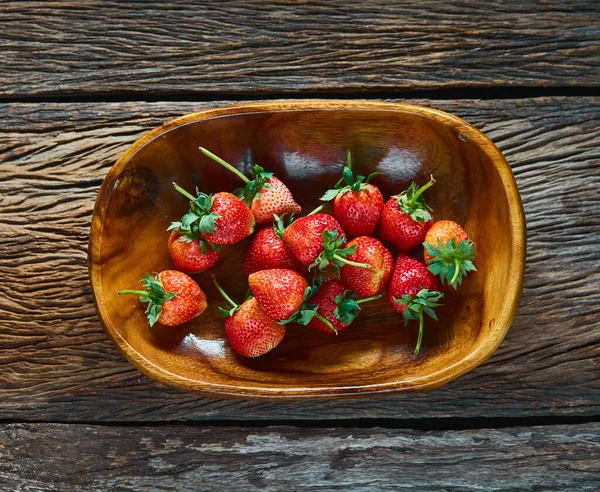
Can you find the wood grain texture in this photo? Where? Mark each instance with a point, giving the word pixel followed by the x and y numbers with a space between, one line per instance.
pixel 57 363
pixel 233 46
pixel 59 457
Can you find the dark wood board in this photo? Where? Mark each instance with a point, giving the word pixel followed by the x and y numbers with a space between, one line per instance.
pixel 57 364
pixel 145 48
pixel 59 457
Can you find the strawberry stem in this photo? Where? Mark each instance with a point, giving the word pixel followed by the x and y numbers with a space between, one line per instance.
pixel 349 160
pixel 222 292
pixel 316 210
pixel 367 299
pixel 135 292
pixel 420 337
pixel 421 190
pixel 326 322
pixel 183 192
pixel 226 165
pixel 350 262
pixel 456 272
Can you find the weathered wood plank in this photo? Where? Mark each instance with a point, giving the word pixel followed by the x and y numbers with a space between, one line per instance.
pixel 75 457
pixel 57 364
pixel 151 47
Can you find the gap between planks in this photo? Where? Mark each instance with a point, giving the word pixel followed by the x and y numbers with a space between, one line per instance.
pixel 468 93
pixel 426 424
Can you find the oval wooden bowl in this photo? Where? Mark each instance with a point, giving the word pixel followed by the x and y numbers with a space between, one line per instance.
pixel 305 143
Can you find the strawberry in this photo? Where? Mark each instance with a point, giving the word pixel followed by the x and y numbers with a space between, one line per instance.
pixel 192 255
pixel 412 291
pixel 368 282
pixel 317 240
pixel 265 194
pixel 336 304
pixel 268 251
pixel 279 292
pixel 405 218
pixel 221 218
pixel 173 298
pixel 249 330
pixel 449 252
pixel 357 204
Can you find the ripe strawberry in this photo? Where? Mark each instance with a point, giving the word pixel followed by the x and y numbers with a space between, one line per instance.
pixel 268 251
pixel 192 255
pixel 449 252
pixel 357 204
pixel 368 282
pixel 249 330
pixel 412 291
pixel 265 194
pixel 317 240
pixel 221 218
pixel 336 304
pixel 405 218
pixel 279 292
pixel 173 298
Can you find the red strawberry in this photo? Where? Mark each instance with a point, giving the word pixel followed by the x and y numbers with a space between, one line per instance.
pixel 367 282
pixel 192 255
pixel 336 304
pixel 449 252
pixel 264 193
pixel 357 205
pixel 279 292
pixel 221 218
pixel 173 298
pixel 317 240
pixel 273 198
pixel 405 218
pixel 412 291
pixel 268 251
pixel 249 330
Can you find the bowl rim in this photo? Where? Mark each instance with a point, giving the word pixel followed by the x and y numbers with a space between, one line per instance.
pixel 432 380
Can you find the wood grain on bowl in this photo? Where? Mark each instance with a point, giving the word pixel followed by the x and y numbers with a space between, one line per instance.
pixel 305 143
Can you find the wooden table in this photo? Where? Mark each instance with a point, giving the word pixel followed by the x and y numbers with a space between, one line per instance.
pixel 80 83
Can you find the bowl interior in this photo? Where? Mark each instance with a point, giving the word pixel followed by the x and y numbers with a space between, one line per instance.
pixel 306 148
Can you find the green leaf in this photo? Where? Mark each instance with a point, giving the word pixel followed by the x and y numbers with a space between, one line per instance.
pixel 348 176
pixel 329 195
pixel 208 223
pixel 412 202
pixel 371 176
pixel 154 296
pixel 451 261
pixel 347 309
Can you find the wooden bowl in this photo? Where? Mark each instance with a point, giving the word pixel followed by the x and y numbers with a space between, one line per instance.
pixel 305 144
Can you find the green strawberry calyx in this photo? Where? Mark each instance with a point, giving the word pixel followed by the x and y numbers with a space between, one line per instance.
pixel 199 219
pixel 154 294
pixel 348 306
pixel 280 223
pixel 187 235
pixel 226 313
pixel 335 253
pixel 250 192
pixel 451 261
pixel 348 182
pixel 412 202
pixel 307 311
pixel 425 301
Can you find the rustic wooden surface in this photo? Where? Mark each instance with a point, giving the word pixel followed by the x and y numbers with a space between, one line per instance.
pixel 279 458
pixel 75 81
pixel 58 364
pixel 152 49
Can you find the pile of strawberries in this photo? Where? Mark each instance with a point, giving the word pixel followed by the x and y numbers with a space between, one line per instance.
pixel 288 249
